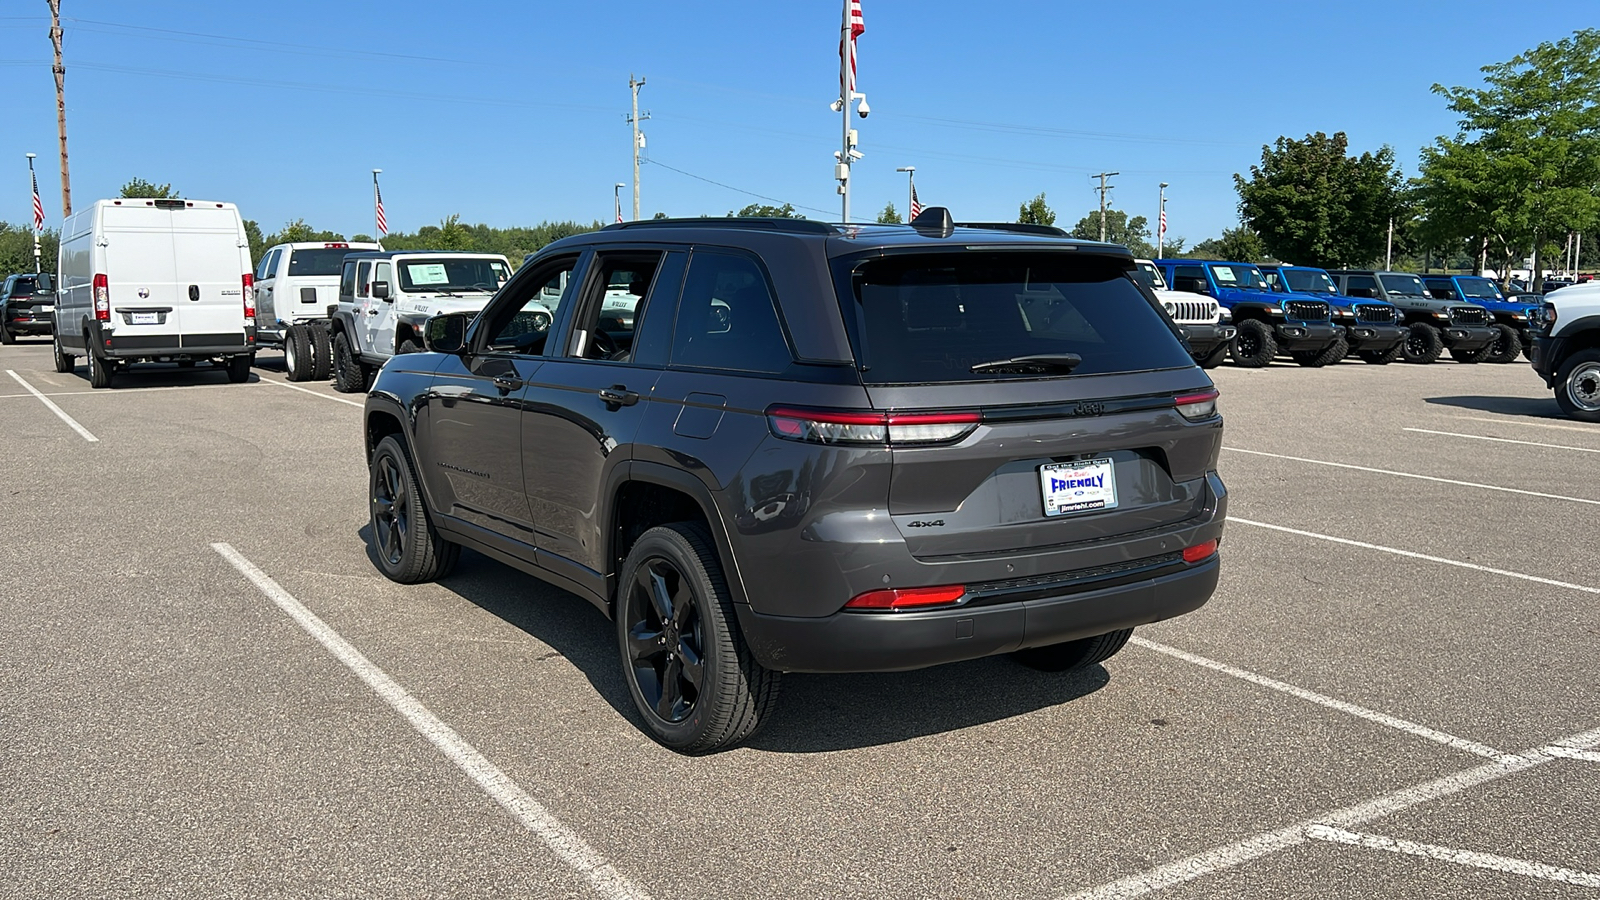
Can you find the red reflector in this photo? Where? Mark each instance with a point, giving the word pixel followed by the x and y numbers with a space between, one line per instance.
pixel 907 598
pixel 1200 551
pixel 337 246
pixel 1187 399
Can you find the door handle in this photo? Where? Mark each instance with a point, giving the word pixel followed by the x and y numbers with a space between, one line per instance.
pixel 372 312
pixel 618 396
pixel 507 384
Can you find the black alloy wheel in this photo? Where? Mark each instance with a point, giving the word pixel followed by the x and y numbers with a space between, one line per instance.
pixel 407 547
pixel 666 643
pixel 1254 345
pixel 391 513
pixel 1507 345
pixel 64 360
pixel 1423 343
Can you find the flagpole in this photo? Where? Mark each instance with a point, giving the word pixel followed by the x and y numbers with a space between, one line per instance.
pixel 33 181
pixel 846 86
pixel 377 227
pixel 1161 223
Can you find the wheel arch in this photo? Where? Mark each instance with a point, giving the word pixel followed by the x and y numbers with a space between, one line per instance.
pixel 643 495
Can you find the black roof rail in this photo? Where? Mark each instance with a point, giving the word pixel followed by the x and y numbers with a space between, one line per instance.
pixel 1018 227
pixel 762 223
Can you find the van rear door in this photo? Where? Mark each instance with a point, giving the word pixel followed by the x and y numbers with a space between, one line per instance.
pixel 141 273
pixel 210 266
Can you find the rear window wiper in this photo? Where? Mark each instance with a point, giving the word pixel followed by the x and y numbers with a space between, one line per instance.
pixel 1065 362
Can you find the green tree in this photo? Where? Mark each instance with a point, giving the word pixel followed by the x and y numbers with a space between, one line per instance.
pixel 889 216
pixel 1238 244
pixel 757 210
pixel 660 215
pixel 16 249
pixel 1314 203
pixel 1132 233
pixel 1523 169
pixel 258 241
pixel 138 187
pixel 1035 212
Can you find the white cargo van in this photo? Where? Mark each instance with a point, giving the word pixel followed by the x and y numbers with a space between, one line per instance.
pixel 145 280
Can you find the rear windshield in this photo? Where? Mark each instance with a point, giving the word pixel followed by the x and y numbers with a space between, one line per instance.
pixel 452 274
pixel 929 318
pixel 1404 285
pixel 1309 281
pixel 1481 288
pixel 317 260
pixel 34 284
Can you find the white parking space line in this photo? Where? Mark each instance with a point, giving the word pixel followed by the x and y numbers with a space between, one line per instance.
pixel 60 413
pixel 1523 420
pixel 296 387
pixel 1479 437
pixel 1269 842
pixel 1411 728
pixel 1572 753
pixel 1471 484
pixel 1411 554
pixel 563 841
pixel 1491 861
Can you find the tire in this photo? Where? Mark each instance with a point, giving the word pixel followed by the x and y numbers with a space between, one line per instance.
pixel 349 376
pixel 321 351
pixel 408 346
pixel 1507 347
pixel 1327 356
pixel 64 360
pixel 239 368
pixel 1215 357
pixel 404 542
pixel 1254 346
pixel 1074 655
pixel 298 358
pixel 1578 386
pixel 100 373
pixel 1381 357
pixel 673 603
pixel 1423 344
pixel 6 337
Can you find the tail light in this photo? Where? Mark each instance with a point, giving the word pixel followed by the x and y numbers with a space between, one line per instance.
pixel 909 598
pixel 249 296
pixel 821 426
pixel 1200 552
pixel 1197 406
pixel 102 298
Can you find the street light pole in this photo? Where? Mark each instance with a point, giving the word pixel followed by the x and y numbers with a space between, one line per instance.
pixel 33 187
pixel 911 187
pixel 1161 223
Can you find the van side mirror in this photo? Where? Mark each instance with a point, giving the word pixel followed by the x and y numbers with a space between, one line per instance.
pixel 380 290
pixel 446 332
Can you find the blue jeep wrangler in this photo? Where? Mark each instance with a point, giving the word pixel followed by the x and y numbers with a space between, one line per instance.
pixel 1298 324
pixel 1372 328
pixel 1516 319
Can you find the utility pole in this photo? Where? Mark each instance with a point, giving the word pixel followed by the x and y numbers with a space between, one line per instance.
pixel 1103 188
pixel 61 107
pixel 638 139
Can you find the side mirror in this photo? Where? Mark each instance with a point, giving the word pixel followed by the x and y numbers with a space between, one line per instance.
pixel 380 290
pixel 1366 293
pixel 446 332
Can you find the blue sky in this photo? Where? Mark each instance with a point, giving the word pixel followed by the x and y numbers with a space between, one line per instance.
pixel 513 113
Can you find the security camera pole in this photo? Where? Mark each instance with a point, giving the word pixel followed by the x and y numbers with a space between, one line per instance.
pixel 851 28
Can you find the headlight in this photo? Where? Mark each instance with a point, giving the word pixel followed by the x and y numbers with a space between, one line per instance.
pixel 1167 305
pixel 1440 315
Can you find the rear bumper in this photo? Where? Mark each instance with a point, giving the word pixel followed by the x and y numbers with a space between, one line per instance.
pixel 23 322
pixel 1205 338
pixel 1362 336
pixel 887 641
pixel 1305 335
pixel 1458 337
pixel 133 347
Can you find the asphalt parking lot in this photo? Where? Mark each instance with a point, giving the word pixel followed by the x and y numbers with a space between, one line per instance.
pixel 210 691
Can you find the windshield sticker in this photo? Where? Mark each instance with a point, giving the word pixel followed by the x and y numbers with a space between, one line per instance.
pixel 427 273
pixel 1224 274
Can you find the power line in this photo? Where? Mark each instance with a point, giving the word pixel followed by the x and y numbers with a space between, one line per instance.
pixel 657 162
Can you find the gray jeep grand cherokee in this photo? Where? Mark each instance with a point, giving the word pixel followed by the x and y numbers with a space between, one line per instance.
pixel 787 446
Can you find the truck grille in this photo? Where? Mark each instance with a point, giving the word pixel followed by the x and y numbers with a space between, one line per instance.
pixel 1194 312
pixel 1307 310
pixel 1374 313
pixel 1469 316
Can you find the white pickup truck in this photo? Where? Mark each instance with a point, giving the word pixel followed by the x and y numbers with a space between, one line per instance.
pixel 385 297
pixel 1566 349
pixel 295 285
pixel 1205 323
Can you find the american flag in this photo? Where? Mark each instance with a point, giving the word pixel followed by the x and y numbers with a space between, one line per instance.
pixel 1161 230
pixel 618 199
pixel 38 206
pixel 916 205
pixel 383 223
pixel 857 28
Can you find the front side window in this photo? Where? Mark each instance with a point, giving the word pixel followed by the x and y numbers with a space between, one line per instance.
pixel 269 264
pixel 363 279
pixel 519 321
pixel 955 317
pixel 451 274
pixel 727 318
pixel 1189 278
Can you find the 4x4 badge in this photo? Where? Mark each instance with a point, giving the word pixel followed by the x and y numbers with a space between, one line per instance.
pixel 1088 408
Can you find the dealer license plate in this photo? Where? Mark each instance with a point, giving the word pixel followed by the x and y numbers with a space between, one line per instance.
pixel 1078 486
pixel 146 318
pixel 47 308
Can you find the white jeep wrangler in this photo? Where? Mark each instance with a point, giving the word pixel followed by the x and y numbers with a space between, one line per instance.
pixel 295 285
pixel 1566 349
pixel 384 299
pixel 1205 324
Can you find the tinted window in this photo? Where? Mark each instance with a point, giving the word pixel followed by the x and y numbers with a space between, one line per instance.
pixel 519 321
pixel 929 318
pixel 726 319
pixel 446 273
pixel 1189 278
pixel 362 278
pixel 1354 283
pixel 347 280
pixel 317 261
pixel 607 327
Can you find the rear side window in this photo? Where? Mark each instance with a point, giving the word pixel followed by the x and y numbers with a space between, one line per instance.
pixel 317 260
pixel 1361 286
pixel 727 319
pixel 929 318
pixel 347 280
